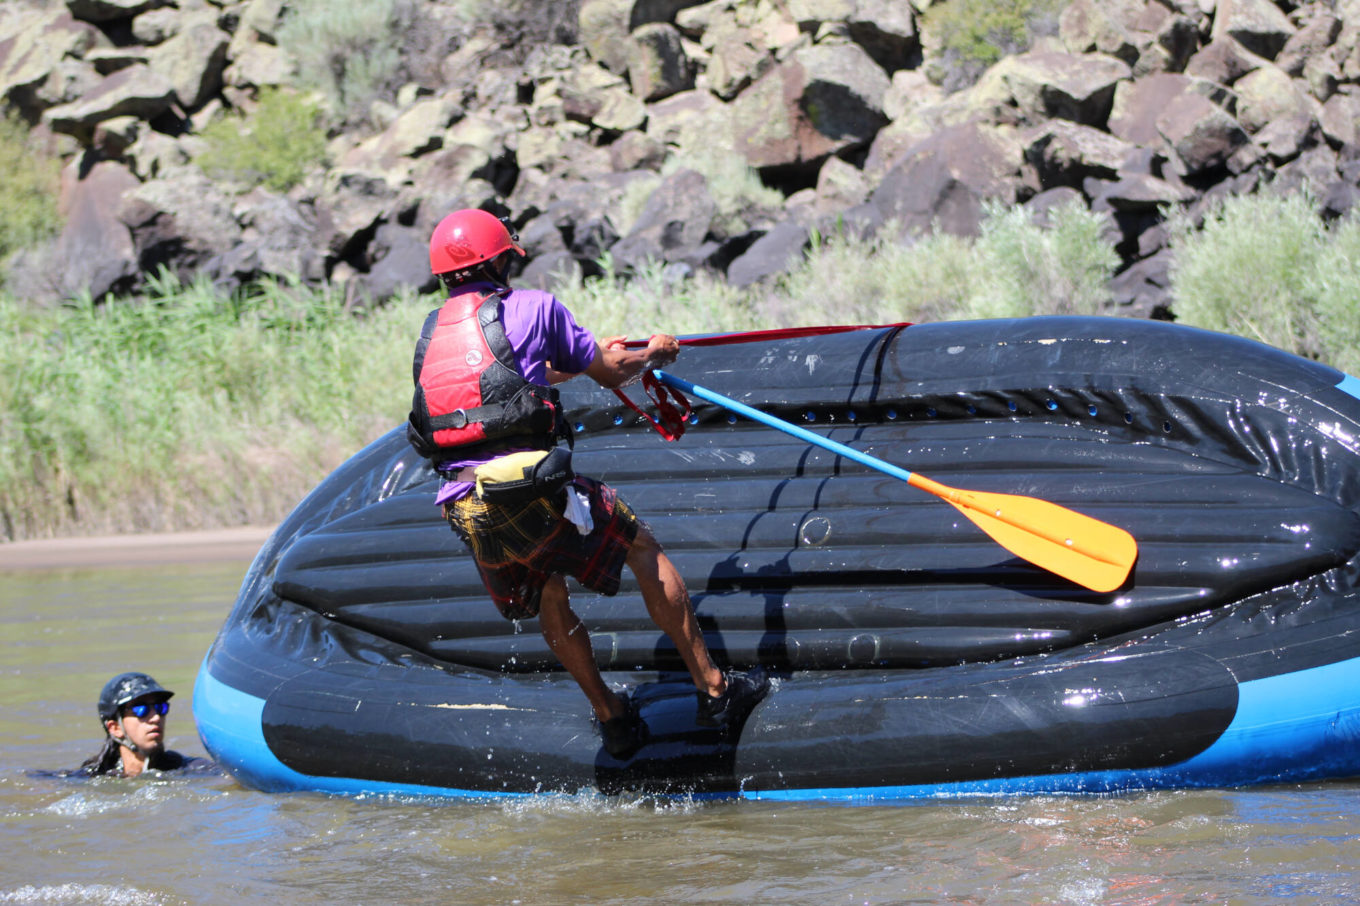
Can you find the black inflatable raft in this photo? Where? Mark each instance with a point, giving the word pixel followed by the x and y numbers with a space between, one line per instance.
pixel 912 656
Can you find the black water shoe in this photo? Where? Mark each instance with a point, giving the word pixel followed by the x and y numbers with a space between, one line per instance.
pixel 744 691
pixel 625 734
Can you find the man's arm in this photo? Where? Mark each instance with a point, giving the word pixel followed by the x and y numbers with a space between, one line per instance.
pixel 615 365
pixel 557 377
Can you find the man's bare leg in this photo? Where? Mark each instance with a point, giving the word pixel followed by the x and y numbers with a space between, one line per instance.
pixel 668 603
pixel 566 635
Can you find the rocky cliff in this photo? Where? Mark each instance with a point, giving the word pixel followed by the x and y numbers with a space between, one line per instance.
pixel 581 126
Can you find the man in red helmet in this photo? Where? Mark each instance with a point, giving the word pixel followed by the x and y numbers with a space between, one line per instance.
pixel 485 415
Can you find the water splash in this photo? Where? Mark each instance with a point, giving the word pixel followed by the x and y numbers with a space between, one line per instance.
pixel 79 894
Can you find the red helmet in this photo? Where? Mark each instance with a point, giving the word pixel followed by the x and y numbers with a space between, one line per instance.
pixel 469 237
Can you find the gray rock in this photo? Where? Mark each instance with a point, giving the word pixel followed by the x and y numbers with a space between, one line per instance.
pixel 179 223
pixel 1338 200
pixel 418 130
pixel 157 25
pixel 673 223
pixel 1140 192
pixel 1311 170
pixel 399 261
pixel 1339 117
pixel 1077 87
pixel 193 61
pixel 925 193
pixel 689 113
pixel 736 59
pixel 1269 94
pixel 945 179
pixel 603 28
pixel 1259 25
pixel 1100 26
pixel 1180 113
pixel 136 91
pixel 1224 61
pixel 260 65
pixel 109 10
pixel 1051 199
pixel 1065 153
pixel 262 18
pixel 1310 41
pixel 657 64
pixel 776 252
pixel 541 236
pixel 886 29
pixel 34 43
pixel 94 252
pixel 550 271
pixel 1202 134
pixel 111 59
pixel 1174 39
pixel 278 238
pixel 636 151
pixel 592 94
pixel 823 100
pixel 1143 290
pixel 1286 138
pixel 349 208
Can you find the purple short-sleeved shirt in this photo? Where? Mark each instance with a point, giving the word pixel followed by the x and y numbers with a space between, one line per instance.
pixel 541 331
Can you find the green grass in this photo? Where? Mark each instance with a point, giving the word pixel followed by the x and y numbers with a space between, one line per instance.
pixel 188 408
pixel 29 184
pixel 275 145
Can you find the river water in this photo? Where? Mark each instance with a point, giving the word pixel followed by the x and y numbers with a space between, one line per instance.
pixel 206 840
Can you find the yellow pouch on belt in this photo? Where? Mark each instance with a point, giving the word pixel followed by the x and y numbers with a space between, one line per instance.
pixel 512 468
pixel 524 476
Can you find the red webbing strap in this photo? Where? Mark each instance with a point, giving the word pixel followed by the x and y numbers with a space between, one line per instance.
pixel 670 421
pixel 778 333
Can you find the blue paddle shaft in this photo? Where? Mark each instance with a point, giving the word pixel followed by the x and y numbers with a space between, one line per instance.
pixel 779 424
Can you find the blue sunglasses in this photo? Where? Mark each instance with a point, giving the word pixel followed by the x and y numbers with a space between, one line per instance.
pixel 141 711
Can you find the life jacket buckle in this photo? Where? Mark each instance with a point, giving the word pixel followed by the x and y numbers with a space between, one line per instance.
pixel 458 418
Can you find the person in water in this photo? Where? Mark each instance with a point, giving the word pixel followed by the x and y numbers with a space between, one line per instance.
pixel 134 709
pixel 485 416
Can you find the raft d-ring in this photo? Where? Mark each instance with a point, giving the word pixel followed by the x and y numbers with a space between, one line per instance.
pixel 863 648
pixel 814 530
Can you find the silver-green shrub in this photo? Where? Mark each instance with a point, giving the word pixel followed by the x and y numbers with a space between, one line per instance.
pixel 349 50
pixel 1025 269
pixel 1267 267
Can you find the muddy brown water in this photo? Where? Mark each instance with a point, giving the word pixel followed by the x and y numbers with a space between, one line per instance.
pixel 207 840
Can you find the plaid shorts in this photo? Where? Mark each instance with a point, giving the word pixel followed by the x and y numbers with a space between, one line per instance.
pixel 518 547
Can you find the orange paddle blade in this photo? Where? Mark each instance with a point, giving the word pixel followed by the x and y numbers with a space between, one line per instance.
pixel 1094 554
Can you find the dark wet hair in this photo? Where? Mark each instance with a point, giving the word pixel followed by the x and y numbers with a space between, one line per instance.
pixel 105 761
pixel 108 761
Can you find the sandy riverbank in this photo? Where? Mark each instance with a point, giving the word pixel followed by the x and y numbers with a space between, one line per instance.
pixel 215 546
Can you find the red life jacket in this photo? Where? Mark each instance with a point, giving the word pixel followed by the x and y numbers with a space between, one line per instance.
pixel 471 401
